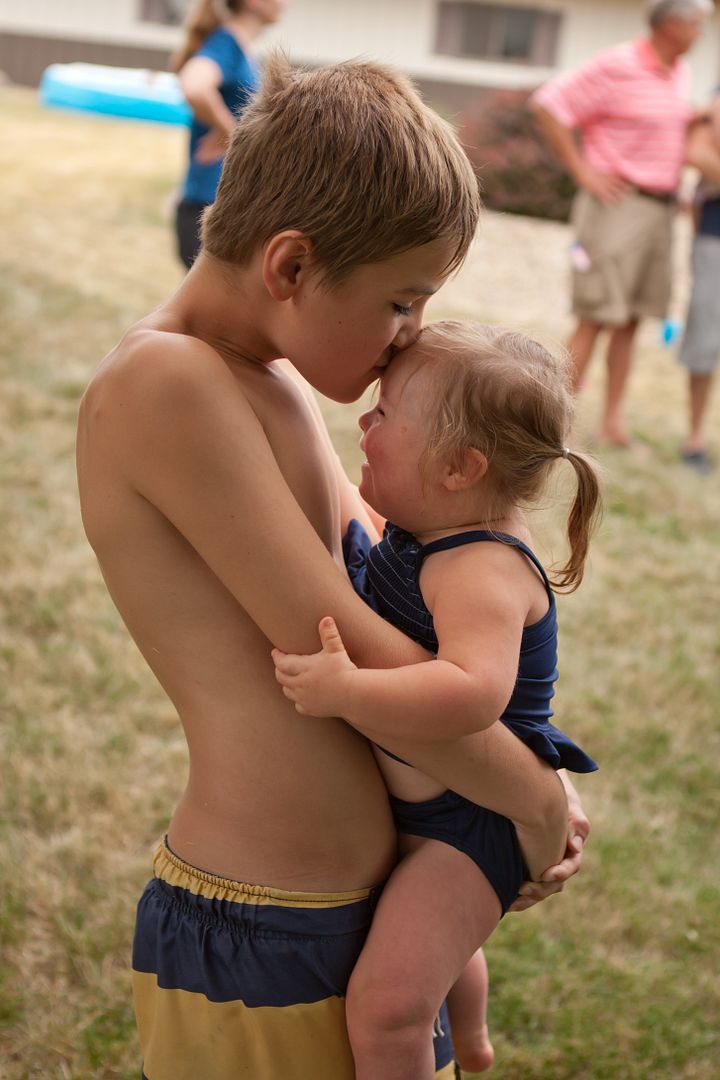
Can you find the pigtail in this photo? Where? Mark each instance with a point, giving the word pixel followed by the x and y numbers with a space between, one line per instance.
pixel 583 519
pixel 204 17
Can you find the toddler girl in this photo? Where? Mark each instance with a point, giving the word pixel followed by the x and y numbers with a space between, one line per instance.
pixel 468 424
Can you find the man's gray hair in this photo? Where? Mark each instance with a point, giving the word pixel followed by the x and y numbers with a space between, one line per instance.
pixel 658 11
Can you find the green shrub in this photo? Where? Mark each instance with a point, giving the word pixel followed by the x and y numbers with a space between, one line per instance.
pixel 520 173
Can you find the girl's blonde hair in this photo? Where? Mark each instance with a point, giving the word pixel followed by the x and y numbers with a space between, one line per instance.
pixel 202 18
pixel 500 392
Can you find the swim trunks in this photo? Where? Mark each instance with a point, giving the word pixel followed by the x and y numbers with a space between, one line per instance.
pixel 234 980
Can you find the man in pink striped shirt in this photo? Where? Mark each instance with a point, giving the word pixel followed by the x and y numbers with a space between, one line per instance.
pixel 630 106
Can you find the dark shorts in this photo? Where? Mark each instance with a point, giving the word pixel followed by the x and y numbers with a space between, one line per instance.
pixel 188 217
pixel 236 980
pixel 485 837
pixel 700 349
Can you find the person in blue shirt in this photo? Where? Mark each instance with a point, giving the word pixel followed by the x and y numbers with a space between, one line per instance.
pixel 218 74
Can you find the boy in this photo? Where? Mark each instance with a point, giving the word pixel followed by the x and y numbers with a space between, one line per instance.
pixel 215 505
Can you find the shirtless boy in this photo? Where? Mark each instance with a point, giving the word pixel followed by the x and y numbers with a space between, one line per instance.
pixel 215 504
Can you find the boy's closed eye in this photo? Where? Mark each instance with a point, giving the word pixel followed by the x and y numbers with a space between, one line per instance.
pixel 402 309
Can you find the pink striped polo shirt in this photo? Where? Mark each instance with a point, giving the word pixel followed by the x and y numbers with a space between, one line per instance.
pixel 631 112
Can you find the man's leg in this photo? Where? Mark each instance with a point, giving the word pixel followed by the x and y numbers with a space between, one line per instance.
pixel 694 453
pixel 619 359
pixel 699 398
pixel 580 346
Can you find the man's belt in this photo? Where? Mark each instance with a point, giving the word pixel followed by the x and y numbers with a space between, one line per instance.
pixel 668 197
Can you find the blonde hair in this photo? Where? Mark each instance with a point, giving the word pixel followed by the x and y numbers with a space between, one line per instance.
pixel 202 18
pixel 500 392
pixel 351 157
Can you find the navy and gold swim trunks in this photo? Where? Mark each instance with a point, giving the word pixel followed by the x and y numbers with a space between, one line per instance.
pixel 234 980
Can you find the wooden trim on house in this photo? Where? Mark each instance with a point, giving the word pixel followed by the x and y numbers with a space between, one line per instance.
pixel 24 57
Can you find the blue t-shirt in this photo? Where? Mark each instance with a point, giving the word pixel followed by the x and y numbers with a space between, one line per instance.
pixel 239 83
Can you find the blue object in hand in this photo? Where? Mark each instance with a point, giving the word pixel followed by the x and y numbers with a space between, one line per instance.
pixel 670 331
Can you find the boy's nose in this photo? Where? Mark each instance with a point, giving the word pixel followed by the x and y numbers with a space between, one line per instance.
pixel 364 421
pixel 408 332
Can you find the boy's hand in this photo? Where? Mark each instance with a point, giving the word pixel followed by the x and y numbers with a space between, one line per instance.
pixel 319 684
pixel 554 878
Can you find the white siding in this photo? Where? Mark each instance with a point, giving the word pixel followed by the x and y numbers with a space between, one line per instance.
pixel 109 21
pixel 400 32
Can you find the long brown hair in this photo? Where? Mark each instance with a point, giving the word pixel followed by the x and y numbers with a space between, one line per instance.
pixel 203 17
pixel 500 392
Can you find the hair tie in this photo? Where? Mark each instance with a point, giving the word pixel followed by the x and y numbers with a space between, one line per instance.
pixel 565 452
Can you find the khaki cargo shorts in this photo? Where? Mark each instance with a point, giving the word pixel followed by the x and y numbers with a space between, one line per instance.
pixel 622 264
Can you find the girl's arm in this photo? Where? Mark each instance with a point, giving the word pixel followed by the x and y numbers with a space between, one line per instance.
pixel 479 599
pixel 200 82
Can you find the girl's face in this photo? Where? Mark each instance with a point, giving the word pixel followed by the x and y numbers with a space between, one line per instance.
pixel 395 434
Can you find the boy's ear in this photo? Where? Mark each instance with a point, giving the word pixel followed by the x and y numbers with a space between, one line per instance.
pixel 461 475
pixel 285 263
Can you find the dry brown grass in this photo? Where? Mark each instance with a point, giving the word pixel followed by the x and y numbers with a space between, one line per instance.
pixel 616 979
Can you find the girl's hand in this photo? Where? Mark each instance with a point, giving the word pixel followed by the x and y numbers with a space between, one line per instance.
pixel 319 684
pixel 211 146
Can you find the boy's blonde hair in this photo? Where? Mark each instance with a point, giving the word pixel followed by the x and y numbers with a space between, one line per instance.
pixel 500 392
pixel 351 157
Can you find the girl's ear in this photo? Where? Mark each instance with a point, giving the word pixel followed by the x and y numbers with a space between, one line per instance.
pixel 285 261
pixel 464 474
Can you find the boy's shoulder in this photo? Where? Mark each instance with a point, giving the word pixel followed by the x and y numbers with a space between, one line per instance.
pixel 151 360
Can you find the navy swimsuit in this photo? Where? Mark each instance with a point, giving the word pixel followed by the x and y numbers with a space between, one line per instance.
pixel 387 577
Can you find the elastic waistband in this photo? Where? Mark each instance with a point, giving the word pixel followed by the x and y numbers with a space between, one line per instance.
pixel 174 871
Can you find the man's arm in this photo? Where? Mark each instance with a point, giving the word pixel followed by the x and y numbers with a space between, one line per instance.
pixel 603 186
pixel 703 145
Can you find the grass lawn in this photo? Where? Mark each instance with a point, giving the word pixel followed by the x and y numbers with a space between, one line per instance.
pixel 618 978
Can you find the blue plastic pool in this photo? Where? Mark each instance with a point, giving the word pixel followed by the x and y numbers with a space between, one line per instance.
pixel 135 93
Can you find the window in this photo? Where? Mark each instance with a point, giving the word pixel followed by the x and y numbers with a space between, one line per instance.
pixel 494 32
pixel 168 12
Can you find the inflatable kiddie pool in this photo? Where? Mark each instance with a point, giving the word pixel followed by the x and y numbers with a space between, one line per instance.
pixel 134 93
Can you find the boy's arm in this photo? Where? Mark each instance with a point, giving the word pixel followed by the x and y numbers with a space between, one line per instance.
pixel 352 504
pixel 185 437
pixel 193 447
pixel 479 607
pixel 317 685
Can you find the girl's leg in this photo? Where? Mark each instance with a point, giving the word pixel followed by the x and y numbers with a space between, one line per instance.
pixel 435 911
pixel 467 1007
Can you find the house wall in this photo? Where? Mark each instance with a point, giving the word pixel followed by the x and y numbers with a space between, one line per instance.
pixel 401 32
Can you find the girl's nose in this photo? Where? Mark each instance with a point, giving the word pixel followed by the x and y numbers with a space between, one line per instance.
pixel 364 420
